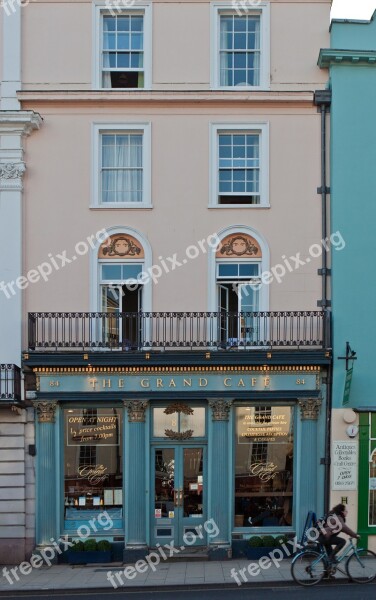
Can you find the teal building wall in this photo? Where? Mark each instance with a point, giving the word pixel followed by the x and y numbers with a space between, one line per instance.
pixel 352 62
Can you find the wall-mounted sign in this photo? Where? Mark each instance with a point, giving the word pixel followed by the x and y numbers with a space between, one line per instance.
pixel 345 465
pixel 175 382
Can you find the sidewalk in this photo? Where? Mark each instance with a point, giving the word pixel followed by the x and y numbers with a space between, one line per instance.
pixel 64 577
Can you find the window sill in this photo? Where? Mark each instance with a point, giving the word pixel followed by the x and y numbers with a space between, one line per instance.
pixel 126 89
pixel 121 206
pixel 237 206
pixel 241 88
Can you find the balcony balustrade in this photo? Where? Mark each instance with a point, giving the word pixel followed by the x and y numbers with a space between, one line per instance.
pixel 10 384
pixel 142 331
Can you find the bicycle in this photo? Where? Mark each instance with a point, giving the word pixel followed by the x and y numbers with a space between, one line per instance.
pixel 310 566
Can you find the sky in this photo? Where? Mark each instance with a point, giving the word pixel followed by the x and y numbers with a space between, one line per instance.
pixel 353 9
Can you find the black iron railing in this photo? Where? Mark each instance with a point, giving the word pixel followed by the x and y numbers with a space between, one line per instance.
pixel 172 330
pixel 10 382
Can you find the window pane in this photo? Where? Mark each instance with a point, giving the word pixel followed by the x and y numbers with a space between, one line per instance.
pixel 248 270
pixel 109 24
pixel 179 422
pixel 111 272
pixel 242 35
pixel 123 23
pixel 229 270
pixel 93 466
pixel 131 271
pixel 264 466
pixel 122 174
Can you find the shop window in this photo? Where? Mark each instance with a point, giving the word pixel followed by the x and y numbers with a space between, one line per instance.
pixel 264 466
pixel 93 460
pixel 179 421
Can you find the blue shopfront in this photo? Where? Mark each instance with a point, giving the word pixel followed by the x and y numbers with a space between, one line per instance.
pixel 198 456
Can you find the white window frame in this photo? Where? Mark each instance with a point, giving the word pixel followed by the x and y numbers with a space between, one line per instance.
pixel 101 7
pixel 103 128
pixel 245 8
pixel 262 129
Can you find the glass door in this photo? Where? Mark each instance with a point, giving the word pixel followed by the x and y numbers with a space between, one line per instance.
pixel 179 496
pixel 248 325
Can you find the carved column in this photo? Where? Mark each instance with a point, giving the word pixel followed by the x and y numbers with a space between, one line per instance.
pixel 307 479
pixel 46 473
pixel 135 482
pixel 219 473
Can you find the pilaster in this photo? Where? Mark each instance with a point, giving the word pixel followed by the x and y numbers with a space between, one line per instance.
pixel 219 469
pixel 46 501
pixel 135 482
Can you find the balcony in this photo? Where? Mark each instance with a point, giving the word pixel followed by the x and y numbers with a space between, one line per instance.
pixel 10 385
pixel 144 331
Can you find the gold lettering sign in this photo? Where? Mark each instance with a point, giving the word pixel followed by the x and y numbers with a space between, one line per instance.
pixel 94 475
pixel 264 471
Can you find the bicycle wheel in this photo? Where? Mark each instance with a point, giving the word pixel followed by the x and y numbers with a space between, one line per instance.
pixel 361 566
pixel 308 567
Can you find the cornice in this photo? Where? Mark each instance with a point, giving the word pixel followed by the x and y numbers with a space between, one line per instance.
pixel 143 97
pixel 19 121
pixel 330 56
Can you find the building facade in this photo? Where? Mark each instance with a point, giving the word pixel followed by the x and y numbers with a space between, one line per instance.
pixel 176 332
pixel 351 60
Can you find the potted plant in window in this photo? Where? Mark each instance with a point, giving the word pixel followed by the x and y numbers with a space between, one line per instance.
pixel 90 551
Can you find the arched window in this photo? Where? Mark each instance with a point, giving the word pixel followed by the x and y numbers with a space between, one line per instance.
pixel 120 289
pixel 240 259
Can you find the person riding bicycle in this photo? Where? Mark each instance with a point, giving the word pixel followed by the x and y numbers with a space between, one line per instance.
pixel 334 526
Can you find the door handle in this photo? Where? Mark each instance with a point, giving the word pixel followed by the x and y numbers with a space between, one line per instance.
pixel 178 497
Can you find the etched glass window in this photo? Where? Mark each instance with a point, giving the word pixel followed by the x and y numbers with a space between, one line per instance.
pixel 264 478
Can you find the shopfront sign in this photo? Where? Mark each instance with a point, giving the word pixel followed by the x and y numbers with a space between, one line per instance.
pixel 177 382
pixel 345 463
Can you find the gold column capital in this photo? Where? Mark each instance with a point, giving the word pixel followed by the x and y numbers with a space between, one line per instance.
pixel 136 410
pixel 45 411
pixel 220 409
pixel 309 408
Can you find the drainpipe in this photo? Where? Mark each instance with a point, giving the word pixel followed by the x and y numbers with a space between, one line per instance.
pixel 322 100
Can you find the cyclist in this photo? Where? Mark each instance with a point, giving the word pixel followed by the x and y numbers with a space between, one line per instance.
pixel 330 538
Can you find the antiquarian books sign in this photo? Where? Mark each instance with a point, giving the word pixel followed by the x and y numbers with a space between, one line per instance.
pixel 345 465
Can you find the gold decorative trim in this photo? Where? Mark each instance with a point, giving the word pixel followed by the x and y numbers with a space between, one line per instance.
pixel 179 408
pixel 175 435
pixel 310 408
pixel 136 410
pixel 220 409
pixel 45 411
pixel 182 369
